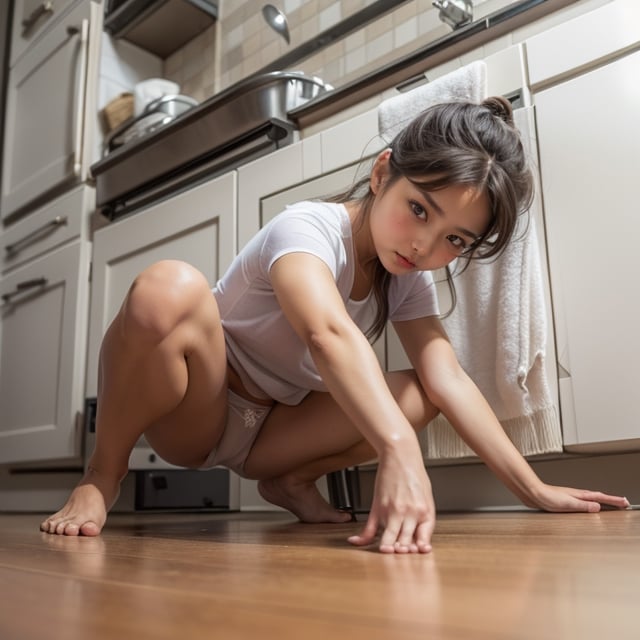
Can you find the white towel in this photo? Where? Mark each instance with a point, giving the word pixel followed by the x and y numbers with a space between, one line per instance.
pixel 498 331
pixel 468 83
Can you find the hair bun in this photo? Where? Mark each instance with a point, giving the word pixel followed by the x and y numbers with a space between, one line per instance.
pixel 499 107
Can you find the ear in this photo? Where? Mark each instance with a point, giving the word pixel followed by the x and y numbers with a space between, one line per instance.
pixel 380 170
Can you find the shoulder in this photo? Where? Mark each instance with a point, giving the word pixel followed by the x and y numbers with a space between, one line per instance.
pixel 320 228
pixel 331 216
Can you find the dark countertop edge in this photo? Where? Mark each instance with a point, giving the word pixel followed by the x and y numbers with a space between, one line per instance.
pixel 410 67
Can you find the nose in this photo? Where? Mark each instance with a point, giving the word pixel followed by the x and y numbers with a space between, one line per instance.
pixel 423 246
pixel 429 252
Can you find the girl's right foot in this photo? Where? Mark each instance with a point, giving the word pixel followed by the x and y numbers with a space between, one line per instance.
pixel 85 512
pixel 302 499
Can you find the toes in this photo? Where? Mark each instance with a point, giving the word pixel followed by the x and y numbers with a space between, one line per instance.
pixel 89 529
pixel 71 529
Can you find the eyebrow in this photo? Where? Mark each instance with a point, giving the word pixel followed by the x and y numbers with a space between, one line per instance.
pixel 434 205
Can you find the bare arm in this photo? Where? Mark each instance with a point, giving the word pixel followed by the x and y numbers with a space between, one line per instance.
pixel 458 398
pixel 403 503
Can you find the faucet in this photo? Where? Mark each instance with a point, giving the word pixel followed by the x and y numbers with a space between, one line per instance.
pixel 455 13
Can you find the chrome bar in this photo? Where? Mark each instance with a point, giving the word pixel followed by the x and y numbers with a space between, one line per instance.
pixel 18 245
pixel 41 10
pixel 21 287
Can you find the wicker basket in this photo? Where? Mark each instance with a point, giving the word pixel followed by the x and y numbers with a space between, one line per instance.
pixel 118 110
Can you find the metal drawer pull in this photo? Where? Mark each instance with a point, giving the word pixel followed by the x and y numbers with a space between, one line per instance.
pixel 21 287
pixel 17 246
pixel 36 14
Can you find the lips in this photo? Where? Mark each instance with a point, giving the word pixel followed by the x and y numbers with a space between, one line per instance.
pixel 403 262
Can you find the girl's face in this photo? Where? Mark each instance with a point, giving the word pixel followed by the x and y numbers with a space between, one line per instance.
pixel 412 229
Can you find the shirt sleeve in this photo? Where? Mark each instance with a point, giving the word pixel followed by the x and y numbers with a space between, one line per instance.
pixel 296 230
pixel 413 296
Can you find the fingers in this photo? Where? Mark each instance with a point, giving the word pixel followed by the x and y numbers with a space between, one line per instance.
pixel 368 534
pixel 582 500
pixel 604 499
pixel 401 535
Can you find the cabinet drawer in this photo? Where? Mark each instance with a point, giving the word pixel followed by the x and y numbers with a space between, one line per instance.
pixel 51 226
pixel 31 18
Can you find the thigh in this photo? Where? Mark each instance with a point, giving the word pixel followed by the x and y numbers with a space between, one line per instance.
pixel 317 427
pixel 186 435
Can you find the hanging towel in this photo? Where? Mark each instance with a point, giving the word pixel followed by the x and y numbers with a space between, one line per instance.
pixel 498 331
pixel 468 83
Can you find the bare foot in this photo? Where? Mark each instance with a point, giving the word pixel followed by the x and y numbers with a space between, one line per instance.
pixel 85 512
pixel 301 498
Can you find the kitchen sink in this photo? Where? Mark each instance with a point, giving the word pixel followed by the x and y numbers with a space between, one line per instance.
pixel 245 121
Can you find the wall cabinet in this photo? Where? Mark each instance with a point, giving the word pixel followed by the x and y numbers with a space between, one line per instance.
pixel 588 136
pixel 51 88
pixel 197 226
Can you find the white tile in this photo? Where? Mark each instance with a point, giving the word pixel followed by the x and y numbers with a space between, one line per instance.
pixel 355 60
pixel 330 16
pixel 406 32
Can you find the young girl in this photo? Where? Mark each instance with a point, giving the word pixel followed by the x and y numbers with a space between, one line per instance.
pixel 273 375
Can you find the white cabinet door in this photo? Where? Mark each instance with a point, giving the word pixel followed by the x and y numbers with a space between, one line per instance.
pixel 43 329
pixel 589 138
pixel 196 226
pixel 330 183
pixel 50 90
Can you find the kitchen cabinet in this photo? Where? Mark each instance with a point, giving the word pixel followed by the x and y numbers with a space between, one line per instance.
pixel 587 101
pixel 44 301
pixel 51 96
pixel 31 18
pixel 307 170
pixel 197 226
pixel 42 348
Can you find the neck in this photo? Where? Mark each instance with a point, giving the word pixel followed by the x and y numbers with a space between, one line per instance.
pixel 361 233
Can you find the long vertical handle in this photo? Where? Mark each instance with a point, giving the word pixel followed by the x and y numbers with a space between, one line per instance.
pixel 83 32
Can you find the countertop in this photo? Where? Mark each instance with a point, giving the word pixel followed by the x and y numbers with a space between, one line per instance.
pixel 409 69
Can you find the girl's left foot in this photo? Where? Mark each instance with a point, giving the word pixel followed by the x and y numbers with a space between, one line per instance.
pixel 301 498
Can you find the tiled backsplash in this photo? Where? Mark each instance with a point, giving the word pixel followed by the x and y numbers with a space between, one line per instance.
pixel 241 42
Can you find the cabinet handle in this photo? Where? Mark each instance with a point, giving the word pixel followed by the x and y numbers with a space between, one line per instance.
pixel 41 10
pixel 83 32
pixel 21 287
pixel 18 245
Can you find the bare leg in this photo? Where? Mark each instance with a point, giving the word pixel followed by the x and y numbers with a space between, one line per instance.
pixel 162 373
pixel 298 445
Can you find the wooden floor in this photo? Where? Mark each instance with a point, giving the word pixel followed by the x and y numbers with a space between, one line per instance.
pixel 226 576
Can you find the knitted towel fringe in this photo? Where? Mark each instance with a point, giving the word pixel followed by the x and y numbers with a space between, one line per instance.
pixel 532 434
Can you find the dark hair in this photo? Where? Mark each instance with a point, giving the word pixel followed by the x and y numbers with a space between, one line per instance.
pixel 457 143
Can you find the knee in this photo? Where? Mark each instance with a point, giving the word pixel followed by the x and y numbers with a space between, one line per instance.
pixel 413 399
pixel 162 297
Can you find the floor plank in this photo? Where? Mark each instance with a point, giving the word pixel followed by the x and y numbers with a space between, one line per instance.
pixel 499 575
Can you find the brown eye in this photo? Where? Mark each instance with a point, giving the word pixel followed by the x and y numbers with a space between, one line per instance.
pixel 457 243
pixel 418 210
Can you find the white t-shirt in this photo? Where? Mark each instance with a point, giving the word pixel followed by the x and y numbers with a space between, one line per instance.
pixel 262 346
